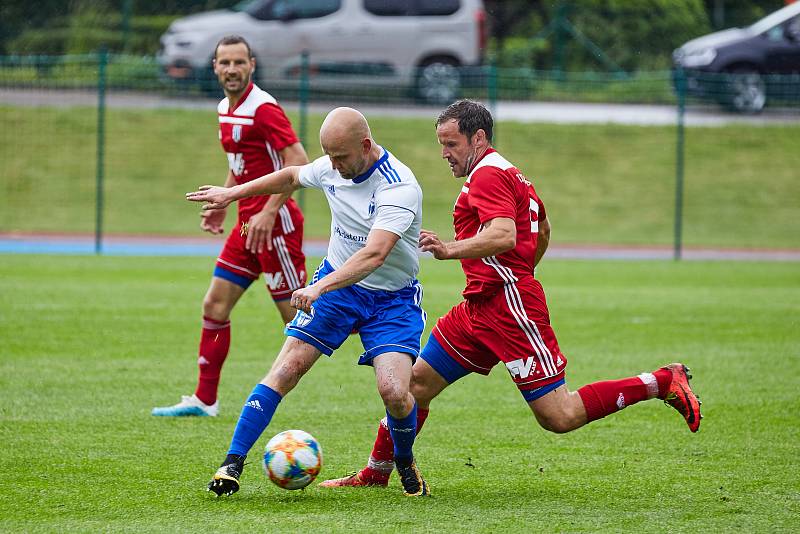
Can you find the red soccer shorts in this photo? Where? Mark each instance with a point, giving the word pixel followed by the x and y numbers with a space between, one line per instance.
pixel 512 326
pixel 284 266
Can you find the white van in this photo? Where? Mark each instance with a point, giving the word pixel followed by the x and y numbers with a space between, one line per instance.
pixel 419 44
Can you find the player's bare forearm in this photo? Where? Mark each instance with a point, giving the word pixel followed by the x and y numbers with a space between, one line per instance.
pixel 543 241
pixel 500 235
pixel 283 181
pixel 356 268
pixel 362 263
pixel 292 155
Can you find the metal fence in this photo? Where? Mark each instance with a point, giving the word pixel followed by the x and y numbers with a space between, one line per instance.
pixel 105 143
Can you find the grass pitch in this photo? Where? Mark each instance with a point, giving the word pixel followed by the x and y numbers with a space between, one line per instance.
pixel 90 345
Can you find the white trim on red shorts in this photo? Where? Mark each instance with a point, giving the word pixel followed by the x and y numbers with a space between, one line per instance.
pixel 286 220
pixel 515 305
pixel 285 259
pixel 473 364
pixel 232 266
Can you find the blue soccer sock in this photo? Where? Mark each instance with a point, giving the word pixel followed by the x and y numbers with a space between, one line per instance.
pixel 256 415
pixel 403 432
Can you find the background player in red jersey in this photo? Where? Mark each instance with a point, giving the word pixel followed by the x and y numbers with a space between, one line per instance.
pixel 501 233
pixel 268 236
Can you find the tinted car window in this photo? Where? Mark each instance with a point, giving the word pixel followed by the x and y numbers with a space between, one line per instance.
pixel 410 8
pixel 438 7
pixel 294 9
pixel 389 8
pixel 793 28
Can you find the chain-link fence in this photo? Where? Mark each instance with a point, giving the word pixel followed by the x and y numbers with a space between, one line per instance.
pixel 109 144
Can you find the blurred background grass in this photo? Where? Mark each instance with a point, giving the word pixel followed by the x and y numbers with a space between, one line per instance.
pixel 601 183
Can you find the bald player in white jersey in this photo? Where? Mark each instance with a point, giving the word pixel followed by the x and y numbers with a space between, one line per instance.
pixel 367 283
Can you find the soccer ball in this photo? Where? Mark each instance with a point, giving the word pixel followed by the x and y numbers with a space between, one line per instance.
pixel 292 459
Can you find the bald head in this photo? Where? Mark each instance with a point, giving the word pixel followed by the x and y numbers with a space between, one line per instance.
pixel 344 125
pixel 346 138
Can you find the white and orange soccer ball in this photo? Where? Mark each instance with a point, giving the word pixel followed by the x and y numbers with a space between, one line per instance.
pixel 293 459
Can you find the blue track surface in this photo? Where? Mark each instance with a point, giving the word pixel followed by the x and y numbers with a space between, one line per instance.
pixel 125 246
pixel 176 246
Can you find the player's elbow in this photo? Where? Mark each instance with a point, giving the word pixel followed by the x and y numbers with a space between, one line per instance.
pixel 544 230
pixel 375 260
pixel 505 240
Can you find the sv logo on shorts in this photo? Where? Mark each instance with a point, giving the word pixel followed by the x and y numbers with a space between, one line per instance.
pixel 274 280
pixel 302 318
pixel 522 368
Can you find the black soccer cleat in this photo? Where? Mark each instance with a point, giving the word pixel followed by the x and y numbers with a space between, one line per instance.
pixel 411 479
pixel 226 479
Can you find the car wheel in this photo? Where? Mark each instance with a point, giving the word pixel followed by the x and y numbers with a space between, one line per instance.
pixel 747 92
pixel 438 81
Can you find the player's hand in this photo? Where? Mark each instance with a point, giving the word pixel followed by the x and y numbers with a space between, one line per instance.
pixel 430 242
pixel 303 298
pixel 259 232
pixel 211 221
pixel 215 197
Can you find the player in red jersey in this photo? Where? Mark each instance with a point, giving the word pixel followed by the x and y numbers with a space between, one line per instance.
pixel 258 139
pixel 501 233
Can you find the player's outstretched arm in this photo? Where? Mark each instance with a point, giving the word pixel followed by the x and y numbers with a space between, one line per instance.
pixel 260 226
pixel 282 181
pixel 356 268
pixel 212 221
pixel 498 235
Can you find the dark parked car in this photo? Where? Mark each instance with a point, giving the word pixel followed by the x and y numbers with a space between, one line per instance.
pixel 743 68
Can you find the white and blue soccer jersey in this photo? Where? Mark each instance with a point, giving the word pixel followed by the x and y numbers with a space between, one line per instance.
pixel 385 197
pixel 385 308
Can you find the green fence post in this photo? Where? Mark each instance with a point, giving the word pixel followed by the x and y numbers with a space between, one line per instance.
pixel 127 7
pixel 492 89
pixel 680 87
pixel 101 134
pixel 304 81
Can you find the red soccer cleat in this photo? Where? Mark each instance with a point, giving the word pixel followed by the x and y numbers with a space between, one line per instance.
pixel 681 397
pixel 354 480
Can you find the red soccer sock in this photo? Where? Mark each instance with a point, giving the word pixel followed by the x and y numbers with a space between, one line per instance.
pixel 381 461
pixel 603 398
pixel 214 344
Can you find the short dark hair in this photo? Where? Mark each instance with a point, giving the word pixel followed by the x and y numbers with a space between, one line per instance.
pixel 231 40
pixel 471 116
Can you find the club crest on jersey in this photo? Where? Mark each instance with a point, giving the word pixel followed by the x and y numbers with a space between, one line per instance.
pixel 372 205
pixel 236 133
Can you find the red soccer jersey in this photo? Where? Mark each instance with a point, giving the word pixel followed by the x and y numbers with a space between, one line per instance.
pixel 252 134
pixel 495 188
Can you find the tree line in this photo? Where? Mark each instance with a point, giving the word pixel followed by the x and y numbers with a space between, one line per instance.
pixel 541 34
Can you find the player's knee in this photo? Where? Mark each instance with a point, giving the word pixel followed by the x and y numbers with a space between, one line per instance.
pixel 555 425
pixel 394 395
pixel 421 391
pixel 215 308
pixel 557 421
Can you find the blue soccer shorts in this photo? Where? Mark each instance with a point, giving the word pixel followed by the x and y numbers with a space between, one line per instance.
pixel 386 321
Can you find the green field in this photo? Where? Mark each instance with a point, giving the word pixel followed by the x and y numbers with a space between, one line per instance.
pixel 90 345
pixel 601 183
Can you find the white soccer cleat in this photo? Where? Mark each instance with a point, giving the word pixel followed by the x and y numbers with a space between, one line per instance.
pixel 190 406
